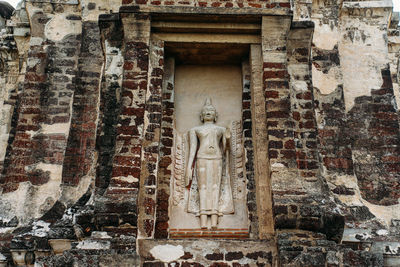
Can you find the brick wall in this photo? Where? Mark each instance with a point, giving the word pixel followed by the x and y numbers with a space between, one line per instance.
pixel 79 155
pixel 47 93
pixel 115 148
pixel 373 128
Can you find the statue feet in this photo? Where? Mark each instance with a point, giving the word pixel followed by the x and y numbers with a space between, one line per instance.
pixel 203 221
pixel 214 221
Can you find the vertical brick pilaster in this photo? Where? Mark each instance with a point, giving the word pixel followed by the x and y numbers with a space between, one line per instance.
pixel 280 128
pixel 277 94
pixel 127 158
pixel 302 100
pixel 118 204
pixel 260 143
pixel 249 149
pixel 334 144
pixel 29 117
pixel 165 157
pixel 122 127
pixel 79 155
pixel 151 141
pixel 110 101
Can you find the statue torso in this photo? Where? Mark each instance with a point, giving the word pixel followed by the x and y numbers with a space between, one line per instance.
pixel 210 137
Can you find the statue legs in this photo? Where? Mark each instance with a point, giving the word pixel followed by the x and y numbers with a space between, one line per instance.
pixel 209 173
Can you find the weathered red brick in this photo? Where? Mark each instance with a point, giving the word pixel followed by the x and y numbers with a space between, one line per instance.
pixel 125 171
pixel 274 65
pixel 289 144
pixel 287 5
pixel 278 74
pixel 271 94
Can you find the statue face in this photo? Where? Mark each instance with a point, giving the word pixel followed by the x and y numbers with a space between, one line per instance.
pixel 208 114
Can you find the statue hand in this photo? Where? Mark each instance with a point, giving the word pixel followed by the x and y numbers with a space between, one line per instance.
pixel 228 133
pixel 188 177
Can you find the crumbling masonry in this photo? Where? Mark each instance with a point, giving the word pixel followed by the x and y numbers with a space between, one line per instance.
pixel 87 115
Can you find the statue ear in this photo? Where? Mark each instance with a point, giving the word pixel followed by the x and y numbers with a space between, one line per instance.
pixel 201 117
pixel 216 117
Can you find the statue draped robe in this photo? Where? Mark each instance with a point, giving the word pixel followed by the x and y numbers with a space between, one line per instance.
pixel 210 191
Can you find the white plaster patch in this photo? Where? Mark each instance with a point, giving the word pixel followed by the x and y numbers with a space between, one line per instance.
pixel 41 224
pixel 93 244
pixel 245 261
pixel 111 6
pixel 5 121
pixel 12 203
pixel 363 54
pixel 36 41
pixel 30 201
pixel 278 165
pixel 385 247
pixel 299 86
pixel 356 234
pixel 5 230
pixel 167 253
pixel 114 61
pixel 367 4
pixel 31 133
pixel 55 128
pixel 386 213
pixel 100 235
pixel 274 57
pixel 326 82
pixel 32 62
pixel 324 36
pixel 396 91
pixel 54 169
pixel 349 180
pixel 128 179
pixel 59 27
pixel 391 250
pixel 382 232
pixel 68 215
pixel 40 229
pixel 70 194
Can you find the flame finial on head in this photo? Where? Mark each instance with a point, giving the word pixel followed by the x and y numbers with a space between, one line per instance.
pixel 208 103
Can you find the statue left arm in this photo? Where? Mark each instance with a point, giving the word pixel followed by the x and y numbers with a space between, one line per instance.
pixel 226 139
pixel 226 145
pixel 192 153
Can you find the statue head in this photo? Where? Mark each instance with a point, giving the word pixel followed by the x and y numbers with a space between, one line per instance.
pixel 208 112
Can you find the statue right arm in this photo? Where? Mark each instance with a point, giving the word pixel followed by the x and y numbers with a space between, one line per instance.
pixel 192 153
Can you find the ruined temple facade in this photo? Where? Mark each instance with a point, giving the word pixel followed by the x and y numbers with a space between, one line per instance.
pixel 99 110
